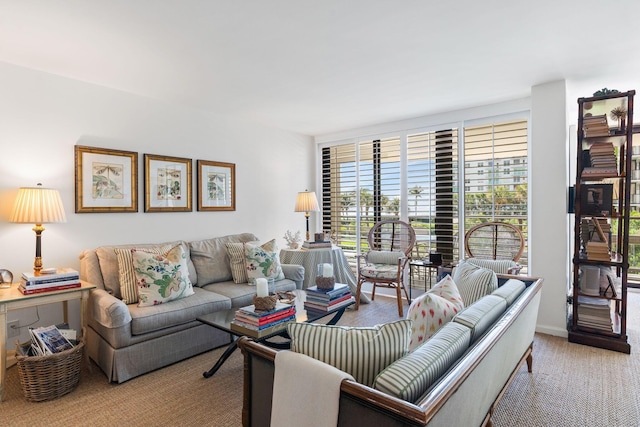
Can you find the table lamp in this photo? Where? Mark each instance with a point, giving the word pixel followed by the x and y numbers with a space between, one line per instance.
pixel 40 206
pixel 307 202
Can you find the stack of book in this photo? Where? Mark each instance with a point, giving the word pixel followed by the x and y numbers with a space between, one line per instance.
pixel 602 161
pixel 259 323
pixel 316 245
pixel 598 251
pixel 323 301
pixel 61 278
pixel 595 126
pixel 594 313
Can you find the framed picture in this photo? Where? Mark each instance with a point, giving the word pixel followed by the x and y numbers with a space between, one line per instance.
pixel 596 199
pixel 216 186
pixel 106 180
pixel 167 184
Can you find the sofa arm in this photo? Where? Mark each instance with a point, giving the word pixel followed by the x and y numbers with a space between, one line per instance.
pixel 294 272
pixel 108 310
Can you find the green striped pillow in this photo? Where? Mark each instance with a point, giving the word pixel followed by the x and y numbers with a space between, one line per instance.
pixel 500 266
pixel 361 352
pixel 474 282
pixel 410 377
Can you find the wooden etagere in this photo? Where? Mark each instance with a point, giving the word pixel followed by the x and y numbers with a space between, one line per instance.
pixel 597 303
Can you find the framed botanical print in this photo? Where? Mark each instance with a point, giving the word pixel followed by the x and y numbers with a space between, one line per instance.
pixel 106 180
pixel 167 184
pixel 216 186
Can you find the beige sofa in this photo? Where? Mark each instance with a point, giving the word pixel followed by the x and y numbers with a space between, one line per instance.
pixel 461 384
pixel 126 340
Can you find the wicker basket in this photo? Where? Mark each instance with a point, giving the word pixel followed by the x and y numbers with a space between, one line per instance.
pixel 51 376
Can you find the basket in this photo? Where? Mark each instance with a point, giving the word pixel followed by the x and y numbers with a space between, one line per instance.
pixel 51 376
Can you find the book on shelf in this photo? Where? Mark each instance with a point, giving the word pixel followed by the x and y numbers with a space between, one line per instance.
pixel 49 340
pixel 595 126
pixel 49 288
pixel 266 325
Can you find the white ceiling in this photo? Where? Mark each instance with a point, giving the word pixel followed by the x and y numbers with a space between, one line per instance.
pixel 322 66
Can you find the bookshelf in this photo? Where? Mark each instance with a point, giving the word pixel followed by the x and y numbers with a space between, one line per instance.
pixel 597 301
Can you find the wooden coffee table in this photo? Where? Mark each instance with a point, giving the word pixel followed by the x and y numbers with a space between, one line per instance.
pixel 222 320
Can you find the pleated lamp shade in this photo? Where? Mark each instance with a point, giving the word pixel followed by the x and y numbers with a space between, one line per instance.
pixel 37 205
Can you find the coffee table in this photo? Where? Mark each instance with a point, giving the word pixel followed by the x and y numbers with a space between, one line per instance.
pixel 222 320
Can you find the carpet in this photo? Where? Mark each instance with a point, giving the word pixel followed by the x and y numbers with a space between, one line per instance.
pixel 571 384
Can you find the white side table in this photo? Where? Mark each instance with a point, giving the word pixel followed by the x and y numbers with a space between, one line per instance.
pixel 310 259
pixel 13 299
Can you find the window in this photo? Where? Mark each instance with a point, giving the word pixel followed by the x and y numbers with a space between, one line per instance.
pixel 496 198
pixel 415 177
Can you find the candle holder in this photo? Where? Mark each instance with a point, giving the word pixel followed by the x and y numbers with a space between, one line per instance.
pixel 265 303
pixel 325 282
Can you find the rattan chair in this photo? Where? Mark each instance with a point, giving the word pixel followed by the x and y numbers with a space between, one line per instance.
pixel 390 246
pixel 494 240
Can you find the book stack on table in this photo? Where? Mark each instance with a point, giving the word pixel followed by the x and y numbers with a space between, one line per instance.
pixel 258 323
pixel 52 280
pixel 324 300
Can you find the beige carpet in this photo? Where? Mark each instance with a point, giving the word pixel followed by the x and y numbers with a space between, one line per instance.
pixel 571 385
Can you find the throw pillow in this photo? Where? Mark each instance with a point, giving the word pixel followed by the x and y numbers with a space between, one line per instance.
pixel 161 278
pixel 474 282
pixel 128 288
pixel 361 352
pixel 433 310
pixel 263 261
pixel 235 250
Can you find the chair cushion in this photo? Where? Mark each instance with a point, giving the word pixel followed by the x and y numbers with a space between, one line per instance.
pixel 410 377
pixel 474 282
pixel 433 310
pixel 361 352
pixel 380 271
pixel 384 257
pixel 174 313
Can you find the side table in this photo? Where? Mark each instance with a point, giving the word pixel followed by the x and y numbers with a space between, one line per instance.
pixel 13 299
pixel 310 259
pixel 428 266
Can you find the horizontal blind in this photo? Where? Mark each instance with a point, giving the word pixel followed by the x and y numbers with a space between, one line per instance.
pixel 379 193
pixel 432 181
pixel 496 174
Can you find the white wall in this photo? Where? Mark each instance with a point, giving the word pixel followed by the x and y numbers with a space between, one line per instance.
pixel 549 221
pixel 43 116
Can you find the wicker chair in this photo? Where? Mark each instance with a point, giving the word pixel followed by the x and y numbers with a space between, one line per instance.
pixel 494 240
pixel 390 246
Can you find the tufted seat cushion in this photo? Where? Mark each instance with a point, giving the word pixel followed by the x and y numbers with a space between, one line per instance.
pixel 161 316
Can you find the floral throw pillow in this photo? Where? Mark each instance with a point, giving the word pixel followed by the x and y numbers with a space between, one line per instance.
pixel 161 278
pixel 263 261
pixel 433 310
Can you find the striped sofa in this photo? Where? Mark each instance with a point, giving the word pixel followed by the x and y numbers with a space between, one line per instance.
pixel 455 378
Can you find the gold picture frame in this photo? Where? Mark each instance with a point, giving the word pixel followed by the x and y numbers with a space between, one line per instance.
pixel 167 184
pixel 106 180
pixel 216 186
